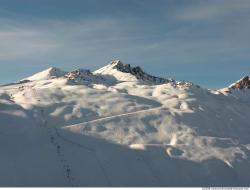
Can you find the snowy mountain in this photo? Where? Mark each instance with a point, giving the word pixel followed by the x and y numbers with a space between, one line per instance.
pixel 84 76
pixel 239 90
pixel 119 126
pixel 125 72
pixel 243 83
pixel 49 73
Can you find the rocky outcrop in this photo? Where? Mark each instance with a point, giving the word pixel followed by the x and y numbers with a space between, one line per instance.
pixel 138 72
pixel 243 83
pixel 83 75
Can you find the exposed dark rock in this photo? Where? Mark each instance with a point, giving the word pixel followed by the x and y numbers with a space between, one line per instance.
pixel 243 83
pixel 138 72
pixel 83 75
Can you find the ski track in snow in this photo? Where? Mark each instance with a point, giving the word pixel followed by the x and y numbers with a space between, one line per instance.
pixel 54 139
pixel 115 116
pixel 88 149
pixel 53 132
pixel 93 151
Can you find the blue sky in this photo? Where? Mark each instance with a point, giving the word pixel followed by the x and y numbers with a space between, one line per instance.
pixel 203 41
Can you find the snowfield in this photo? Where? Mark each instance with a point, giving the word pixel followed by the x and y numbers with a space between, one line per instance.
pixel 119 126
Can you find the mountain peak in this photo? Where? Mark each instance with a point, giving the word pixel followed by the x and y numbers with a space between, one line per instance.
pixel 127 68
pixel 49 73
pixel 243 83
pixel 116 62
pixel 126 72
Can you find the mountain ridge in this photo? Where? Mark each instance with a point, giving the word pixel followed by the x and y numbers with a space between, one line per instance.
pixel 243 83
pixel 113 72
pixel 112 129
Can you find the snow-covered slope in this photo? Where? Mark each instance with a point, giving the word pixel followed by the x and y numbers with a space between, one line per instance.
pixel 134 131
pixel 239 90
pixel 49 73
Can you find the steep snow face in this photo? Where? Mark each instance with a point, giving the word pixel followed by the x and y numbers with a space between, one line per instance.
pixel 127 133
pixel 110 70
pixel 49 73
pixel 125 72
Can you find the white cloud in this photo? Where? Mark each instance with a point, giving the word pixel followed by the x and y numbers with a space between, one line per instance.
pixel 69 39
pixel 68 42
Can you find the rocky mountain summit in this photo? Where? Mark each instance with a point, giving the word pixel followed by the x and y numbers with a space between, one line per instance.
pixel 138 72
pixel 112 73
pixel 243 83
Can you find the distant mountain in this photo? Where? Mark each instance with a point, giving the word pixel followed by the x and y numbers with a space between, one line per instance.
pixel 119 126
pixel 243 83
pixel 114 72
pixel 239 90
pixel 49 73
pixel 125 72
pixel 83 75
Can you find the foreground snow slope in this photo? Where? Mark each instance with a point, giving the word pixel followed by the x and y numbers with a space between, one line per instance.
pixel 83 129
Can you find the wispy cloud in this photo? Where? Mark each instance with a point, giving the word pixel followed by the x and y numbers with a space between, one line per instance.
pixel 67 39
pixel 20 41
pixel 214 9
pixel 102 38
